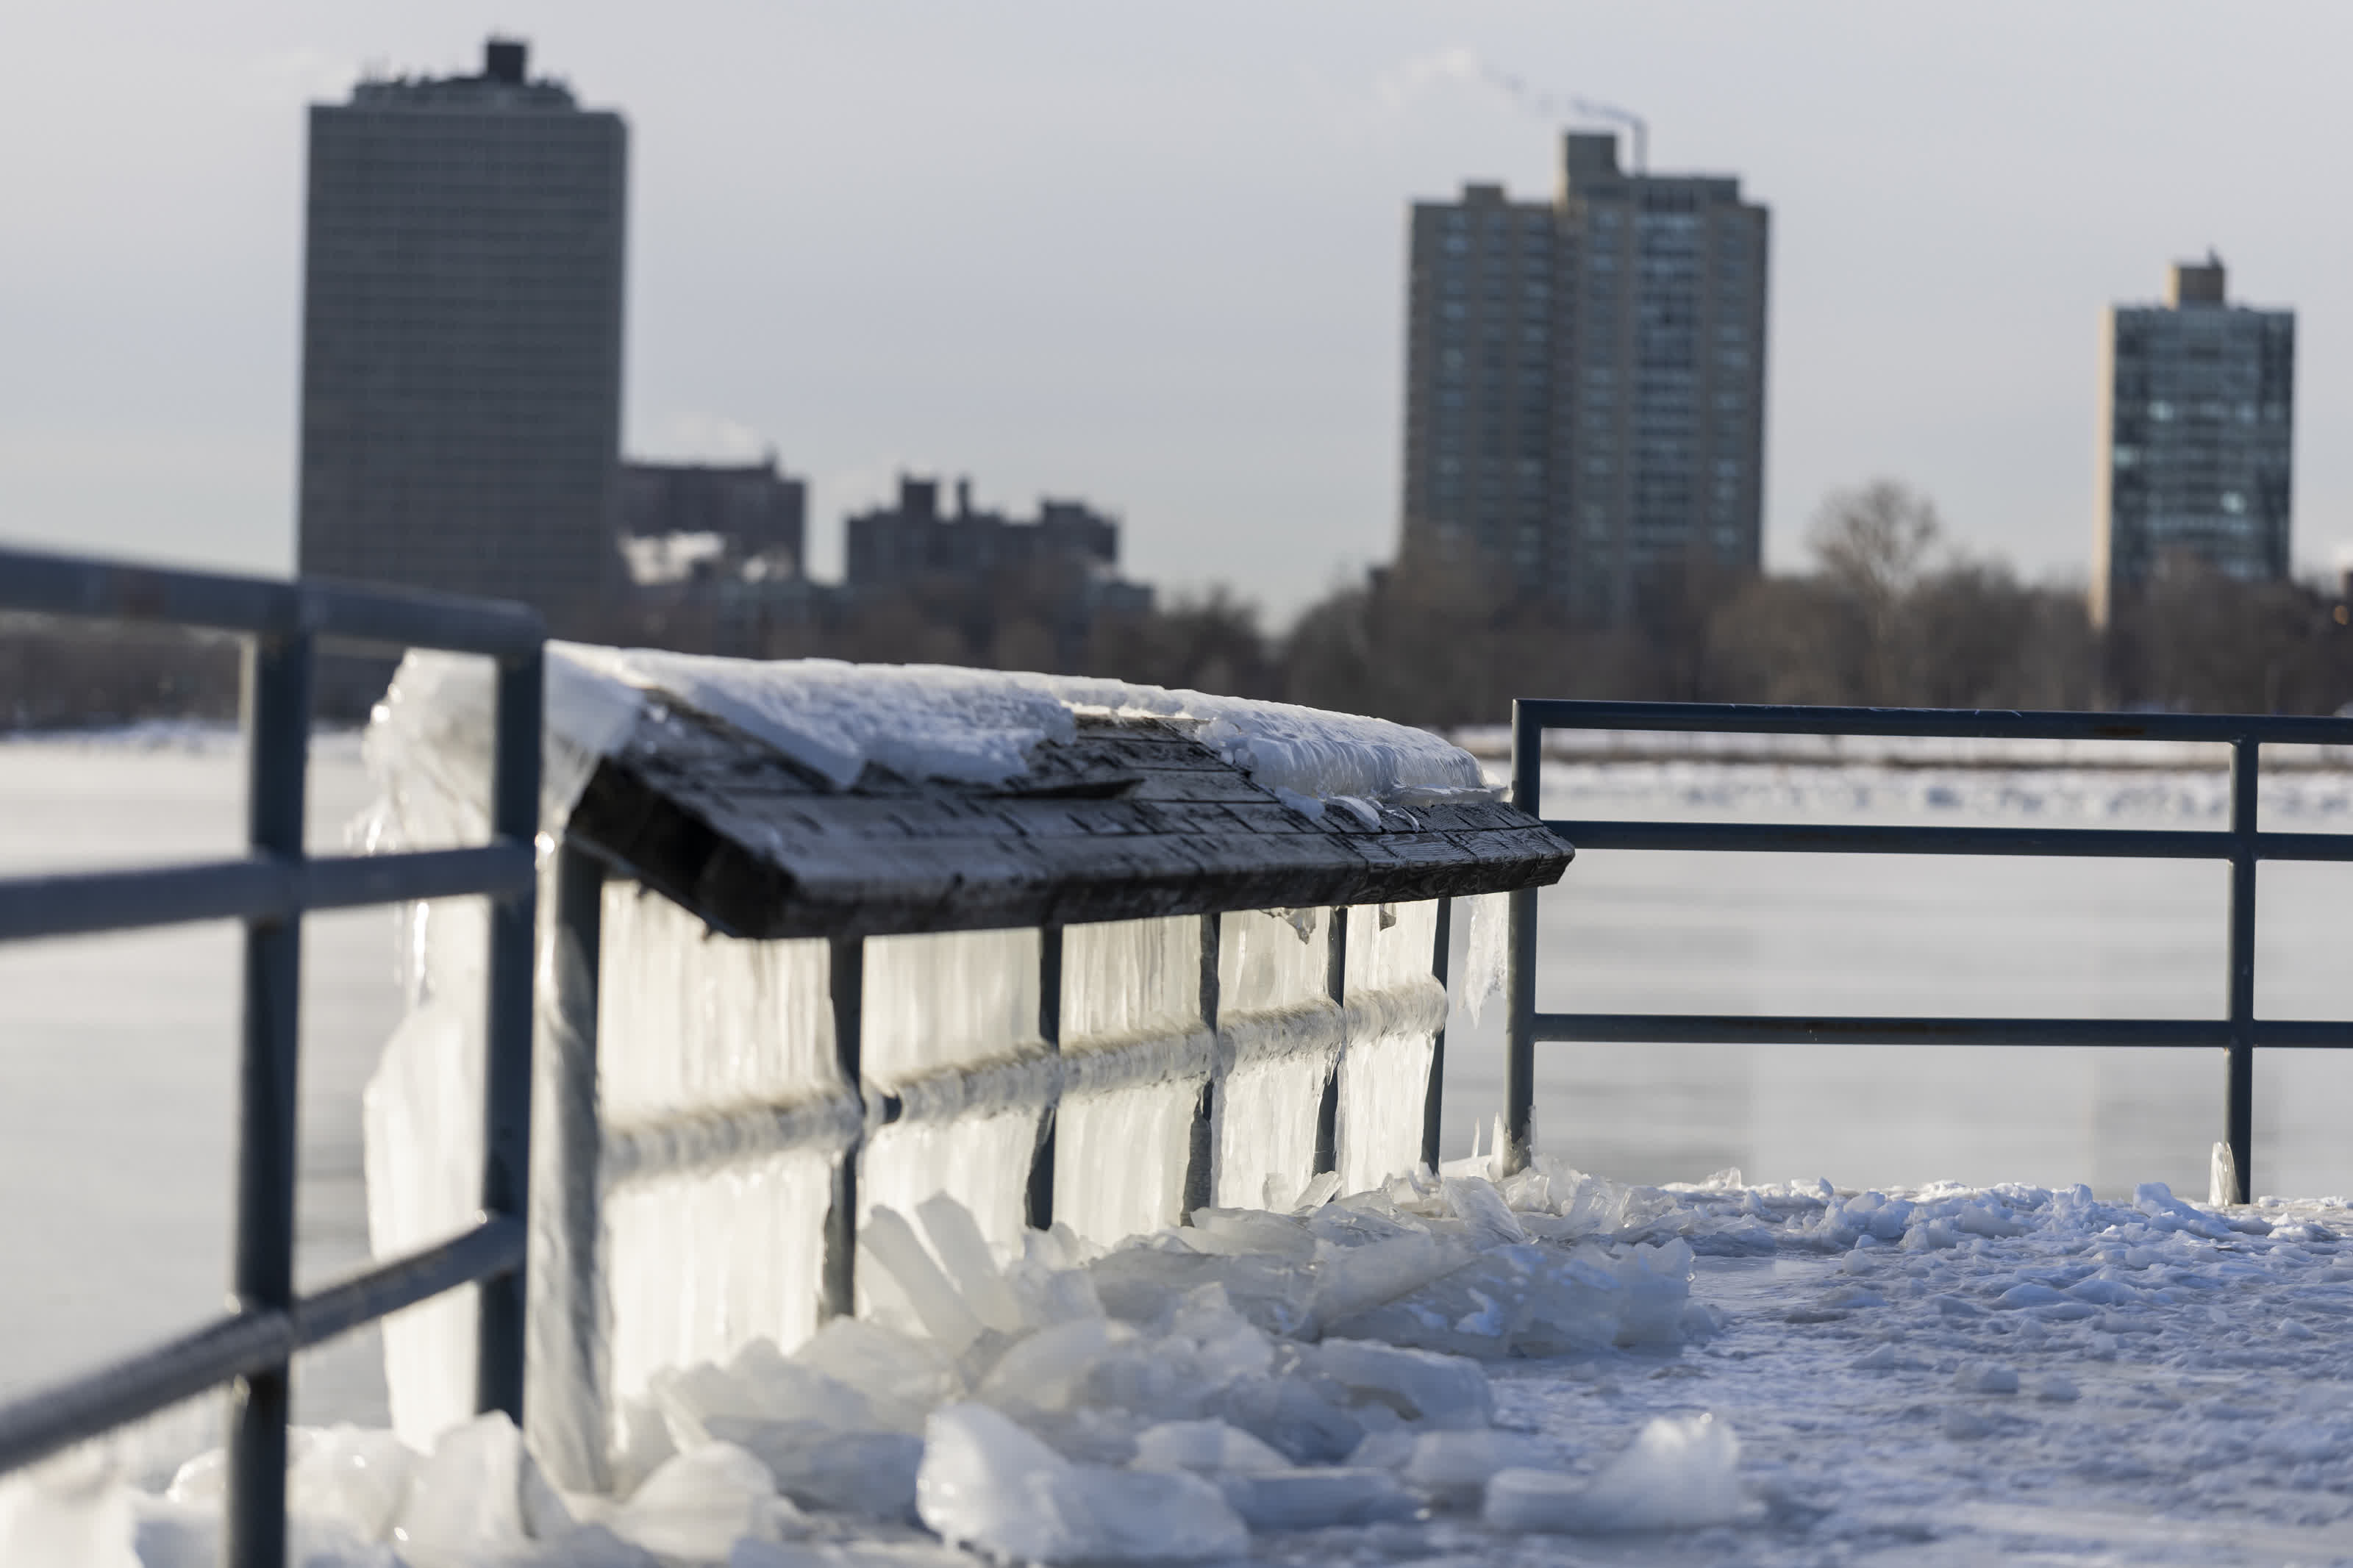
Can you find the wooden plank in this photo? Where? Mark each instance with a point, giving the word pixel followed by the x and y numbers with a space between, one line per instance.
pixel 726 826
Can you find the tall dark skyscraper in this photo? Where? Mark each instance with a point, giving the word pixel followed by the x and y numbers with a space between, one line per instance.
pixel 461 338
pixel 2197 422
pixel 1585 381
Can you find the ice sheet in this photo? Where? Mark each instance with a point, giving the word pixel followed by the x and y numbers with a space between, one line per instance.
pixel 689 1021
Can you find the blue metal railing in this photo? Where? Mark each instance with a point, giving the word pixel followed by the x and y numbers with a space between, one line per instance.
pixel 270 889
pixel 2237 1031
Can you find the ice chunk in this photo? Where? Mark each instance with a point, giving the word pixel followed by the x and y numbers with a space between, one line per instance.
pixel 1451 1468
pixel 641 1445
pixel 346 1478
pixel 1364 1276
pixel 759 1383
pixel 1420 1385
pixel 480 1494
pixel 1486 950
pixel 820 1466
pixel 1474 1201
pixel 1236 1232
pixel 989 1485
pixel 1291 1416
pixel 891 1243
pixel 2222 1178
pixel 1209 1445
pixel 1313 1498
pixel 1537 1300
pixel 1047 1370
pixel 1141 1283
pixel 698 1504
pixel 902 1377
pixel 72 1509
pixel 1682 1473
pixel 1986 1377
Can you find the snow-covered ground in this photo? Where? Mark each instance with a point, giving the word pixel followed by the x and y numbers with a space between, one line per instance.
pixel 1717 1374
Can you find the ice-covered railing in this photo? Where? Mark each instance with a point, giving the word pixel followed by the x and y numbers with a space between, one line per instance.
pixel 826 940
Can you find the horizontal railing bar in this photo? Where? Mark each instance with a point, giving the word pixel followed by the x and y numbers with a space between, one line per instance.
pixel 138 1385
pixel 57 585
pixel 350 881
pixel 492 1247
pixel 1702 1029
pixel 82 904
pixel 1907 838
pixel 1746 718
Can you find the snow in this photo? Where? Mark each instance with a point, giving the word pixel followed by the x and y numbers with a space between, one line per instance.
pixel 1777 1374
pixel 918 720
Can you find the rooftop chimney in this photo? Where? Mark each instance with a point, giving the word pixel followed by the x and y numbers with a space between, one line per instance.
pixel 504 60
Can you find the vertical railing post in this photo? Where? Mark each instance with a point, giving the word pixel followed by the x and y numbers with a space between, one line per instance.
pixel 1201 1160
pixel 1335 985
pixel 848 984
pixel 1040 1205
pixel 570 1375
pixel 507 1036
pixel 1520 973
pixel 1433 1096
pixel 2239 1099
pixel 277 703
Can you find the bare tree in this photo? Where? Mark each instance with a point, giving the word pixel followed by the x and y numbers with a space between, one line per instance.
pixel 1875 544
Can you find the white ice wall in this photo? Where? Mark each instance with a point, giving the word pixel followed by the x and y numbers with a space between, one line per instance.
pixel 1278 1036
pixel 951 1029
pixel 715 1066
pixel 689 1021
pixel 1136 1056
pixel 1396 1006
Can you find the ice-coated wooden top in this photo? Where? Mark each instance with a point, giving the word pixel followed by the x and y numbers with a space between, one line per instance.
pixel 1130 818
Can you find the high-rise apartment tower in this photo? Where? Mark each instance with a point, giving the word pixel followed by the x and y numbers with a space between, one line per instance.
pixel 2196 417
pixel 461 338
pixel 1585 383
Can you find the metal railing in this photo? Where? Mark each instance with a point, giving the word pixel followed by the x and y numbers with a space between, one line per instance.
pixel 2237 1031
pixel 270 889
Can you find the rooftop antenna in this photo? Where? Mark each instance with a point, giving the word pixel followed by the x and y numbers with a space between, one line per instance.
pixel 1562 106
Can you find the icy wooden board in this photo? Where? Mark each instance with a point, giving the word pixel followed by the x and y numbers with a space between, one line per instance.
pixel 1131 818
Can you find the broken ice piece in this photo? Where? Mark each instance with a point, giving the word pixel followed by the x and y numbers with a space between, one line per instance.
pixel 697 1505
pixel 1198 1445
pixel 1474 1201
pixel 479 1495
pixel 871 1474
pixel 1681 1473
pixel 956 1238
pixel 1422 1386
pixel 2056 1390
pixel 891 1243
pixel 1451 1468
pixel 1986 1377
pixel 1314 1498
pixel 989 1485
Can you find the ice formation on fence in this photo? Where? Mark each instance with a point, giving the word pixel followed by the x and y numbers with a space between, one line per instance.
pixel 432 730
pixel 705 1105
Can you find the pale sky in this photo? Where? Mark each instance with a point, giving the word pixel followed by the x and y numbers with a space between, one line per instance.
pixel 1155 255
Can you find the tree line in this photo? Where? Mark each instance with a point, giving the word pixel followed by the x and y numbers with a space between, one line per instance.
pixel 1889 613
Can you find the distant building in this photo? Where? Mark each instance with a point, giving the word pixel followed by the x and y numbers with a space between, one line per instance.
pixel 760 511
pixel 1585 381
pixel 2197 420
pixel 461 338
pixel 1069 548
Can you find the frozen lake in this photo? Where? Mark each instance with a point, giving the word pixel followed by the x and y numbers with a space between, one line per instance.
pixel 116 1054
